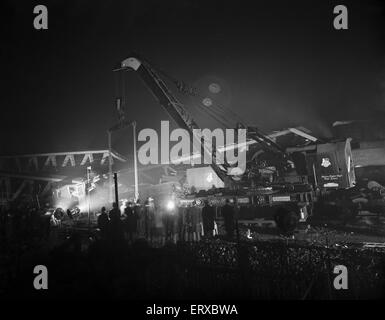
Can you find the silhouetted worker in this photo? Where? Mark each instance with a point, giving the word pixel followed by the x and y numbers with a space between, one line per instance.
pixel 115 212
pixel 196 221
pixel 150 218
pixel 116 230
pixel 69 214
pixel 182 223
pixel 168 223
pixel 130 222
pixel 141 218
pixel 228 217
pixel 189 223
pixel 208 215
pixel 103 221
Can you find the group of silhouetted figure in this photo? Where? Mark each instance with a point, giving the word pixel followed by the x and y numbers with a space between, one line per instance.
pixel 135 220
pixel 182 223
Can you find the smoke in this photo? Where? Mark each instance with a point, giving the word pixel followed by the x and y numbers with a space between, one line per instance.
pixel 97 199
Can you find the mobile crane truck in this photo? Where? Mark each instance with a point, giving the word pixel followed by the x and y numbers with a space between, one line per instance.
pixel 280 185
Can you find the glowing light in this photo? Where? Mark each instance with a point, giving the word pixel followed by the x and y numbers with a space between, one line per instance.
pixel 170 205
pixel 76 210
pixel 83 207
pixel 123 206
pixel 302 213
pixel 326 162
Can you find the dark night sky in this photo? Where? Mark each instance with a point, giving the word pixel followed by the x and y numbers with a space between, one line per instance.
pixel 280 63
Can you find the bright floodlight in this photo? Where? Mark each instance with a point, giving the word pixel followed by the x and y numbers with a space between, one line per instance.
pixel 170 205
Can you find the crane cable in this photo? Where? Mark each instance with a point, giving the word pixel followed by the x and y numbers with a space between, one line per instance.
pixel 225 110
pixel 218 115
pixel 212 115
pixel 186 89
pixel 216 112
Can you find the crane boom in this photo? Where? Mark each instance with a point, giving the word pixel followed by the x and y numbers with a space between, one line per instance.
pixel 172 106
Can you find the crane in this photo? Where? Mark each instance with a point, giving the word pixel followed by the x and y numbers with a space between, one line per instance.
pixel 177 111
pixel 172 106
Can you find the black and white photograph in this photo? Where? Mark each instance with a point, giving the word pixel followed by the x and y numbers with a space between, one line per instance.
pixel 192 155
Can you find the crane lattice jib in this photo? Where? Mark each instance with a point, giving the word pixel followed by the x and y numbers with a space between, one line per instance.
pixel 266 142
pixel 173 107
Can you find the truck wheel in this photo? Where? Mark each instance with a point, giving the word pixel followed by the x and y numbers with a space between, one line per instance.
pixel 286 220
